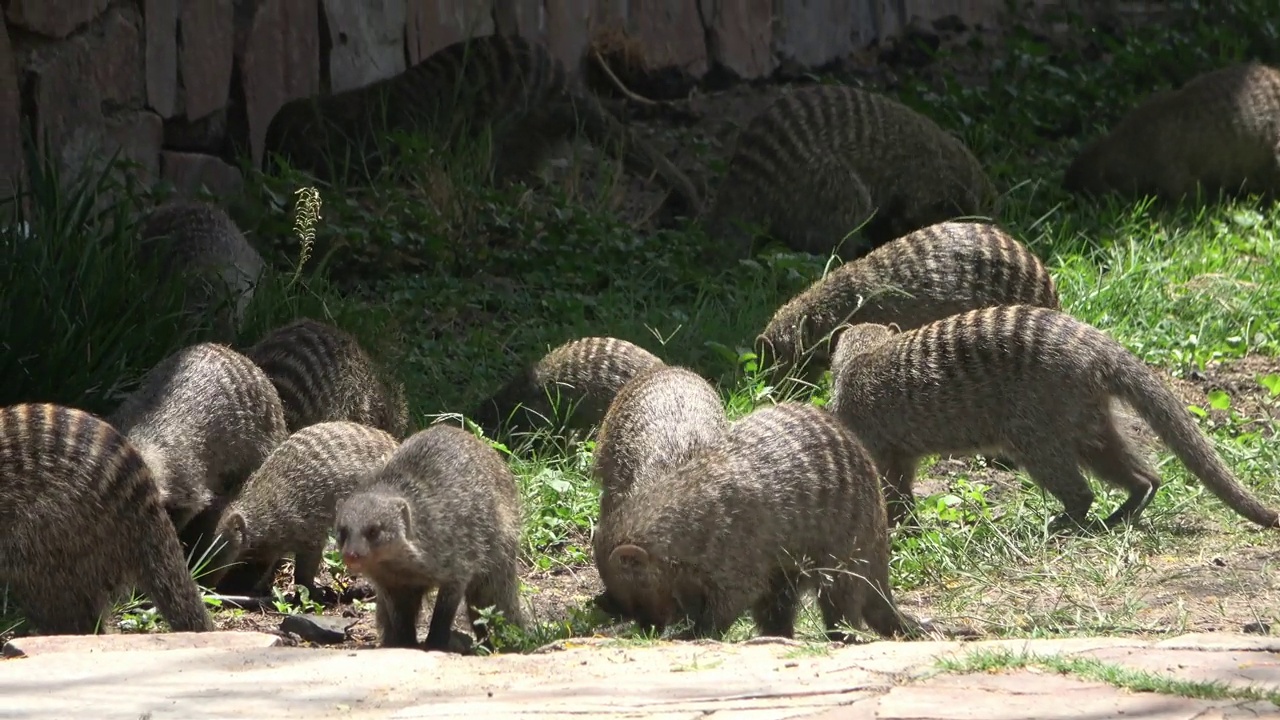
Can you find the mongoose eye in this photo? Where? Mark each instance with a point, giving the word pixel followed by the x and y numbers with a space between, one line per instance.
pixel 342 536
pixel 373 533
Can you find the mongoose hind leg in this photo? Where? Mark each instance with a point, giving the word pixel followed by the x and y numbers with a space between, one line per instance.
pixel 899 473
pixel 1058 474
pixel 1112 458
pixel 306 564
pixel 448 598
pixel 775 611
pixel 397 615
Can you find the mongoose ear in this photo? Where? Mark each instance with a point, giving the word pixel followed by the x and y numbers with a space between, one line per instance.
pixel 629 556
pixel 406 516
pixel 234 522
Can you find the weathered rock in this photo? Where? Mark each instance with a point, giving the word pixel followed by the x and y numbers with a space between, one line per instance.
pixel 55 18
pixel 740 36
pixel 279 58
pixel 367 39
pixel 206 135
pixel 161 23
pixel 138 642
pixel 814 33
pixel 104 65
pixel 10 118
pixel 138 134
pixel 208 48
pixel 318 629
pixel 521 17
pixel 568 22
pixel 191 171
pixel 432 24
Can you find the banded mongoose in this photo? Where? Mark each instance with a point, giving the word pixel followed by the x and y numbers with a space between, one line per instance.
pixel 204 418
pixel 926 275
pixel 80 520
pixel 201 244
pixel 322 374
pixel 505 83
pixel 444 512
pixel 1034 384
pixel 1220 131
pixel 789 503
pixel 287 505
pixel 574 383
pixel 822 160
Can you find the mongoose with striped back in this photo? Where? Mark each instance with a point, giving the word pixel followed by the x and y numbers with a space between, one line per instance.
pixel 1219 132
pixel 322 374
pixel 789 502
pixel 204 418
pixel 201 243
pixel 661 418
pixel 513 86
pixel 444 513
pixel 926 275
pixel 823 160
pixel 573 383
pixel 1031 383
pixel 81 519
pixel 287 505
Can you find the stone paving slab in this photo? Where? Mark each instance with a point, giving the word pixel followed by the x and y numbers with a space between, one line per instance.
pixel 133 642
pixel 237 676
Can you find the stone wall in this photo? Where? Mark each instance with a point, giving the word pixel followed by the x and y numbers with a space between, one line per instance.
pixel 182 86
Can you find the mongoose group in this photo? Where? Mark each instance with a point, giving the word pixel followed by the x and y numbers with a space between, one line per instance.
pixel 941 335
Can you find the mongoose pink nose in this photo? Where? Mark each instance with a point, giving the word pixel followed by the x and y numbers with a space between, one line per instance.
pixel 352 560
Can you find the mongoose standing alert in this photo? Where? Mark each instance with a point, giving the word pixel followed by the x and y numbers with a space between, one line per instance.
pixel 323 374
pixel 81 519
pixel 1219 132
pixel 1032 383
pixel 201 243
pixel 287 505
pixel 514 87
pixel 789 503
pixel 823 159
pixel 444 512
pixel 575 381
pixel 927 275
pixel 204 418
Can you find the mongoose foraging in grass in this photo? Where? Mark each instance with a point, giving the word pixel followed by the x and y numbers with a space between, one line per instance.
pixel 659 419
pixel 1034 384
pixel 200 242
pixel 788 503
pixel 444 512
pixel 507 84
pixel 287 505
pixel 924 276
pixel 323 374
pixel 1220 131
pixel 575 381
pixel 823 159
pixel 204 418
pixel 81 519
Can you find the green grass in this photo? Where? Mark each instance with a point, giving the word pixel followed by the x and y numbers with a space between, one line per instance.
pixel 987 660
pixel 456 283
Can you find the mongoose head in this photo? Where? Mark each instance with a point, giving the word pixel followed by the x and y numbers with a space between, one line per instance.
pixel 857 340
pixel 232 534
pixel 1100 168
pixel 373 528
pixel 788 345
pixel 641 586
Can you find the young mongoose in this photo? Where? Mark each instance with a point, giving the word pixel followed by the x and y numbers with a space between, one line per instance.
pixel 822 160
pixel 204 418
pixel 323 374
pixel 789 503
pixel 1032 383
pixel 80 520
pixel 1220 131
pixel 199 242
pixel 444 512
pixel 932 273
pixel 576 381
pixel 512 87
pixel 287 505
